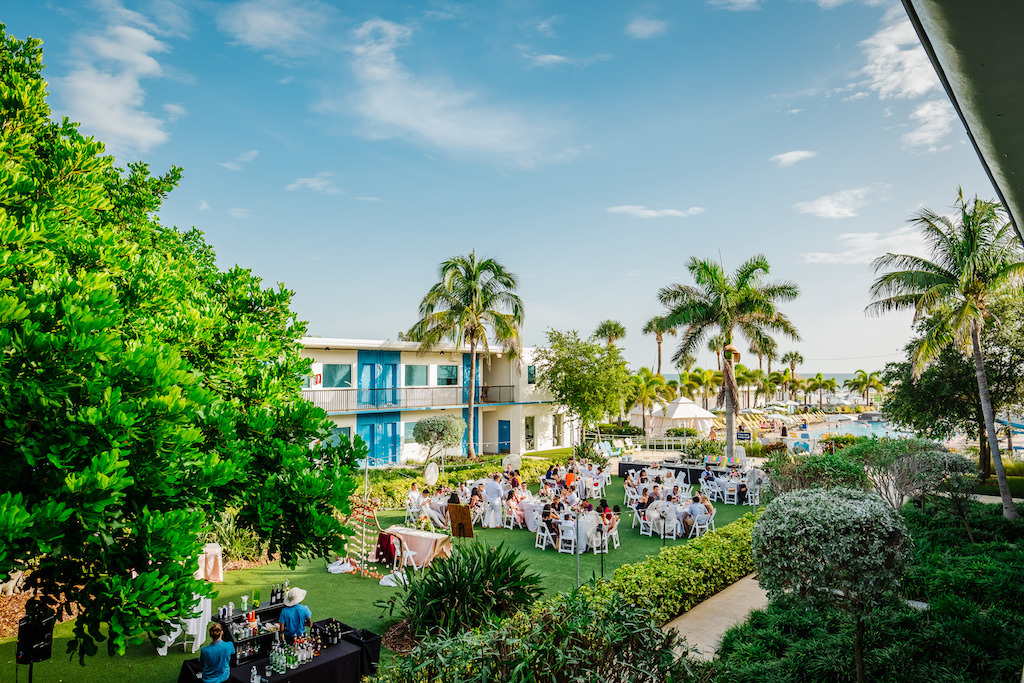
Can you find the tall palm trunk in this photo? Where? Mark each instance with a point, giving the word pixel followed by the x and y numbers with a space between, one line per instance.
pixel 472 396
pixel 1009 511
pixel 729 378
pixel 658 338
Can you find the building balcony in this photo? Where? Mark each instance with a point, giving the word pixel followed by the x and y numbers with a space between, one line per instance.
pixel 403 398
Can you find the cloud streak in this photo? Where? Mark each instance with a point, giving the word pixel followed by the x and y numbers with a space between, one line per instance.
pixel 933 120
pixel 865 247
pixel 322 182
pixel 290 28
pixel 241 161
pixel 640 211
pixel 643 28
pixel 842 204
pixel 790 158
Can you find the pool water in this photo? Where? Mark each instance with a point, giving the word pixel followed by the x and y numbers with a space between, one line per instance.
pixel 856 428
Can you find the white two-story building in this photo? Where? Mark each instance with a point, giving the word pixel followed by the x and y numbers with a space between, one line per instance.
pixel 379 389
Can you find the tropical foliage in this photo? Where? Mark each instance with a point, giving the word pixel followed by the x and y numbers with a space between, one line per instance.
pixel 659 328
pixel 609 331
pixel 144 389
pixel 474 304
pixel 975 256
pixel 647 392
pixel 438 432
pixel 718 301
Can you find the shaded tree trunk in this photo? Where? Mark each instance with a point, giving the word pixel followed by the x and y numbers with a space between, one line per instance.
pixel 658 339
pixel 1009 510
pixel 472 397
pixel 858 649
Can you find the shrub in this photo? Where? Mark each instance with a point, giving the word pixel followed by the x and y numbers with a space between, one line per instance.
pixel 236 542
pixel 590 634
pixel 477 584
pixel 681 431
pixel 681 576
pixel 438 432
pixel 900 469
pixel 616 430
pixel 698 450
pixel 827 470
pixel 837 442
pixel 840 548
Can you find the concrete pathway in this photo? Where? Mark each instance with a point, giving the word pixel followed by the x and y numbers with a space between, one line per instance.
pixel 705 624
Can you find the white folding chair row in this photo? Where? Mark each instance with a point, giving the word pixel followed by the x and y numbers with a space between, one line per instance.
pixel 567 537
pixel 700 525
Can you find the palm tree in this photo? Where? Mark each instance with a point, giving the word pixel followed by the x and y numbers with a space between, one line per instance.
pixel 817 383
pixel 974 256
pixel 688 386
pixel 764 347
pixel 716 344
pixel 796 385
pixel 706 381
pixel 863 382
pixel 744 378
pixel 874 381
pixel 686 363
pixel 778 380
pixel 659 329
pixel 474 303
pixel 610 330
pixel 649 390
pixel 726 302
pixel 768 385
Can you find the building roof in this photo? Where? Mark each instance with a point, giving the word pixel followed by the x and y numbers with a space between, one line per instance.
pixel 974 47
pixel 378 344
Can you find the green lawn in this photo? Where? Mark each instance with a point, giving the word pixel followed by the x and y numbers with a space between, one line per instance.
pixel 347 598
pixel 990 488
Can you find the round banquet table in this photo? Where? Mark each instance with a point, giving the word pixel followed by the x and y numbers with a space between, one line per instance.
pixel 530 509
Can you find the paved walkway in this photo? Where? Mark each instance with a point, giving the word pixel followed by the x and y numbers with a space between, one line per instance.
pixel 705 624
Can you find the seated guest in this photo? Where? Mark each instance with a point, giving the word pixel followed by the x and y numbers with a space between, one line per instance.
pixel 658 480
pixel 414 498
pixel 707 474
pixel 295 616
pixel 629 483
pixel 432 511
pixel 707 504
pixel 570 478
pixel 655 493
pixel 557 505
pixel 478 498
pixel 645 500
pixel 587 506
pixel 676 493
pixel 550 518
pixel 552 473
pixel 696 508
pixel 602 506
pixel 215 658
pixel 515 481
pixel 571 498
pixel 464 493
pixel 512 508
pixel 612 520
pixel 643 477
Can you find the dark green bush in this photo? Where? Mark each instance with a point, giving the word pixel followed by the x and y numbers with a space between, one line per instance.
pixel 475 585
pixel 827 470
pixel 681 431
pixel 616 430
pixel 680 576
pixel 590 634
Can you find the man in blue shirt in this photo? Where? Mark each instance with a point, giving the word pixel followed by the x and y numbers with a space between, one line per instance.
pixel 295 616
pixel 215 658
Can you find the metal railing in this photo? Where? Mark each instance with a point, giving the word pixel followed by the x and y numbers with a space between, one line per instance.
pixel 351 400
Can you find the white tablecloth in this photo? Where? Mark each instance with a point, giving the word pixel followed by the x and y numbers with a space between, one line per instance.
pixel 530 509
pixel 211 563
pixel 195 627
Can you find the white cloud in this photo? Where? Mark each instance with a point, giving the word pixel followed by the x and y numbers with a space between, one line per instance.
pixel 790 158
pixel 103 90
pixel 842 204
pixel 793 111
pixel 933 120
pixel 897 64
pixel 239 162
pixel 545 27
pixel 553 60
pixel 864 247
pixel 174 111
pixel 368 199
pixel 204 205
pixel 859 95
pixel 393 102
pixel 238 213
pixel 286 27
pixel 736 5
pixel 322 182
pixel 286 80
pixel 829 4
pixel 639 211
pixel 642 27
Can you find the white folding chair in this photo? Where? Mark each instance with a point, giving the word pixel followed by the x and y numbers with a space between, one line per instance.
pixel 614 536
pixel 602 543
pixel 544 536
pixel 646 529
pixel 567 537
pixel 731 493
pixel 478 514
pixel 711 522
pixel 700 525
pixel 412 512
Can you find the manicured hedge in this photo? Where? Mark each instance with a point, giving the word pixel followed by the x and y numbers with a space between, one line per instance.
pixel 681 576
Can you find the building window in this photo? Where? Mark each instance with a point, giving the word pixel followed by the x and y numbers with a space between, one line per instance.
pixel 337 376
pixel 531 374
pixel 336 433
pixel 415 375
pixel 529 431
pixel 447 375
pixel 409 428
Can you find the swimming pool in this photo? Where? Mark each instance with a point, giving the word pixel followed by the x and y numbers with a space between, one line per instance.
pixel 856 428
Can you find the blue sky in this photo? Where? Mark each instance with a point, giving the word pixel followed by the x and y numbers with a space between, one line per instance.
pixel 345 149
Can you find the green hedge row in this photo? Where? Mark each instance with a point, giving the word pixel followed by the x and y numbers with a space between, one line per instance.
pixel 680 576
pixel 391 485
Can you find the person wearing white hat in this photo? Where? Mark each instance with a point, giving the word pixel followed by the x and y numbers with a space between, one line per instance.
pixel 295 616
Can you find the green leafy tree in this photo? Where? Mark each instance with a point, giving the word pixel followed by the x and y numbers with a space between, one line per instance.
pixel 648 390
pixel 143 391
pixel 438 432
pixel 725 302
pixel 610 331
pixel 975 256
pixel 587 378
pixel 659 328
pixel 833 547
pixel 474 303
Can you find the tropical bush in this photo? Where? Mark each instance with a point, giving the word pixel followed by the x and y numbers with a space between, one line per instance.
pixel 811 471
pixel 680 576
pixel 698 450
pixel 616 430
pixel 439 431
pixel 236 542
pixel 973 629
pixel 840 548
pixel 474 586
pixel 681 431
pixel 590 634
pixel 901 469
pixel 837 442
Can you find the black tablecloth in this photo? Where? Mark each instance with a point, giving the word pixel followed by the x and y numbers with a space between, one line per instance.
pixel 341 663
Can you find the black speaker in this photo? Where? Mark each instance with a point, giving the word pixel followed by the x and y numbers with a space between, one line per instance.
pixel 35 637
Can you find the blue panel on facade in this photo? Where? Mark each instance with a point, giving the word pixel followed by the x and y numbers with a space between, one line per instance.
pixel 504 436
pixel 465 377
pixel 378 378
pixel 380 432
pixel 476 428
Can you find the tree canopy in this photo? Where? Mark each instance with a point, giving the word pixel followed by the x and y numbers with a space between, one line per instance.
pixel 144 390
pixel 588 378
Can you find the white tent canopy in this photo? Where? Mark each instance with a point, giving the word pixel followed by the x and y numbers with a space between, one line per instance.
pixel 681 412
